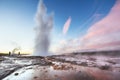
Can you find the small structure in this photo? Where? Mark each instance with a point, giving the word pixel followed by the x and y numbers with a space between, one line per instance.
pixel 14 54
pixel 9 53
pixel 18 53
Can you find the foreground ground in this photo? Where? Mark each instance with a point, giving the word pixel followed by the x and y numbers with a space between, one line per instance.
pixel 75 66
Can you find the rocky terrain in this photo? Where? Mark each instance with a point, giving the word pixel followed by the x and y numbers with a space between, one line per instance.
pixel 75 66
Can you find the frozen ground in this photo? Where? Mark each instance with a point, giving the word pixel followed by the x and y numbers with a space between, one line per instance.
pixel 75 66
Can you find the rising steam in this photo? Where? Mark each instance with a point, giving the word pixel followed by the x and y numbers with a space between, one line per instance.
pixel 15 50
pixel 44 25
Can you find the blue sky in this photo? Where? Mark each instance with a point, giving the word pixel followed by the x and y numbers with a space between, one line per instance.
pixel 79 10
pixel 17 20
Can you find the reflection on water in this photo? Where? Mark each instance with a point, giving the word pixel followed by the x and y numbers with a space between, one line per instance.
pixel 37 72
pixel 40 69
pixel 22 74
pixel 47 73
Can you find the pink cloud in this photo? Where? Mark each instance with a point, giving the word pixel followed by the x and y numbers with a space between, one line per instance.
pixel 108 26
pixel 110 44
pixel 66 25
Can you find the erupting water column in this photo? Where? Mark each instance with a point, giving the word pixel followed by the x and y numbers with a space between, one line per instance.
pixel 44 25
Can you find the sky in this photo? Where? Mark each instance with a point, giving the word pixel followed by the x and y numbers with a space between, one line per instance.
pixel 78 25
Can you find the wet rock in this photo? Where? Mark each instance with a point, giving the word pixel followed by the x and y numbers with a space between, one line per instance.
pixel 112 62
pixel 62 67
pixel 84 64
pixel 41 62
pixel 92 59
pixel 56 75
pixel 81 75
pixel 2 59
pixel 35 77
pixel 29 68
pixel 58 79
pixel 16 74
pixel 104 67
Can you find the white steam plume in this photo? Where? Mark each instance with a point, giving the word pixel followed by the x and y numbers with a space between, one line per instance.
pixel 15 50
pixel 44 25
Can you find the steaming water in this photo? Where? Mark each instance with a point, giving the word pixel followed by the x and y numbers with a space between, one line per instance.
pixel 44 25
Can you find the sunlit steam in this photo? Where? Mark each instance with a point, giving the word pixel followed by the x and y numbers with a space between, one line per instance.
pixel 44 25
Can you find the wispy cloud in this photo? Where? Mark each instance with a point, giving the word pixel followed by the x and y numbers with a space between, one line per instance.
pixel 105 31
pixel 66 25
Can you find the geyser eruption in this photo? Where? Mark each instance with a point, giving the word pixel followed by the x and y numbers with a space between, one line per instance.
pixel 44 24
